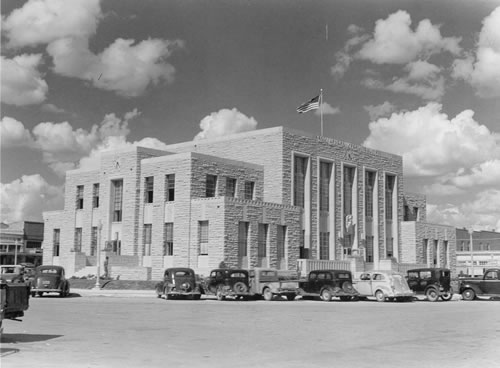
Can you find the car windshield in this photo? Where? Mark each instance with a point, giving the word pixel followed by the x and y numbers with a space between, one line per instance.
pixel 343 276
pixel 10 270
pixel 238 274
pixel 181 273
pixel 51 271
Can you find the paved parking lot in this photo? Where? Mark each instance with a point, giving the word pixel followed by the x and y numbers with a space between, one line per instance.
pixel 107 331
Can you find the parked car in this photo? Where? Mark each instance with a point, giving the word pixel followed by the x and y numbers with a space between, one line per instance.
pixel 383 285
pixel 434 283
pixel 486 286
pixel 179 282
pixel 225 282
pixel 266 283
pixel 12 273
pixel 50 279
pixel 327 284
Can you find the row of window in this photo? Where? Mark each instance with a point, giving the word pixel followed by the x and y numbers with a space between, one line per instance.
pixel 325 173
pixel 203 239
pixel 465 246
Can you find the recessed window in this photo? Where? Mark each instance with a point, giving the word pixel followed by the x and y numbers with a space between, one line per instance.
pixel 170 187
pixel 95 196
pixel 168 245
pixel 148 189
pixel 79 197
pixel 203 237
pixel 249 189
pixel 230 187
pixel 211 186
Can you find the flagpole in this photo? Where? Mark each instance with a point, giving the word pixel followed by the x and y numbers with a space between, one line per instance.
pixel 321 109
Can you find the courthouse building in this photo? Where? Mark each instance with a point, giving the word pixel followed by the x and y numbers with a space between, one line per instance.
pixel 263 198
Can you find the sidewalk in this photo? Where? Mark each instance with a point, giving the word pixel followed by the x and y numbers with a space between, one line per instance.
pixel 115 293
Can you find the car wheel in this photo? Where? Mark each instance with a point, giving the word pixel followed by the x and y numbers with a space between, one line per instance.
pixel 432 295
pixel 379 295
pixel 468 294
pixel 240 287
pixel 447 296
pixel 290 297
pixel 267 294
pixel 326 295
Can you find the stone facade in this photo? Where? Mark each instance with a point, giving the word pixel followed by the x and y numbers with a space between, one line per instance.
pixel 333 198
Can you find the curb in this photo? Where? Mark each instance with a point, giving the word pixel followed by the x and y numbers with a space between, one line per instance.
pixel 115 293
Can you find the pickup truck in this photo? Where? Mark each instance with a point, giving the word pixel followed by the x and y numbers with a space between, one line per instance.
pixel 327 284
pixel 486 286
pixel 266 283
pixel 14 300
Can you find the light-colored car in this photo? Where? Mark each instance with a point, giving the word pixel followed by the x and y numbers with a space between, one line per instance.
pixel 383 285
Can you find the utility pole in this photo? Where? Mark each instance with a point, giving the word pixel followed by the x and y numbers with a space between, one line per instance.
pixel 471 251
pixel 98 257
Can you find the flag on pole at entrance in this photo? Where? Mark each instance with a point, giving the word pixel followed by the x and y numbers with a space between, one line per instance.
pixel 313 104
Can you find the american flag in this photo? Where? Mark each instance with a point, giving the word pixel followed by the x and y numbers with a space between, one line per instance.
pixel 313 104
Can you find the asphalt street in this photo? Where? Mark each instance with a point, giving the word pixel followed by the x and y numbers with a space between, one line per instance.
pixel 144 331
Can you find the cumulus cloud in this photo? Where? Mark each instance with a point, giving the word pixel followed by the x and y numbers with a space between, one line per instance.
pixel 395 42
pixel 22 83
pixel 433 144
pixel 13 133
pixel 124 67
pixel 327 109
pixel 27 197
pixel 43 21
pixel 482 71
pixel 225 122
pixel 480 212
pixel 52 108
pixel 378 111
pixel 345 57
pixel 61 145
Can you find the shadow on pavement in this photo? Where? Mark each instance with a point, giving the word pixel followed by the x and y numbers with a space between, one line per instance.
pixel 71 295
pixel 22 338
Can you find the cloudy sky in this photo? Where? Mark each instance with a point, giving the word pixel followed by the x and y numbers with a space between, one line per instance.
pixel 417 78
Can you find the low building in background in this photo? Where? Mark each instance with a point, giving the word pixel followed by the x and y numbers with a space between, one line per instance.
pixel 21 242
pixel 484 253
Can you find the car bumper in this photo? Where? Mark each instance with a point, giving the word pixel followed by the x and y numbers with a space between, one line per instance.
pixel 45 290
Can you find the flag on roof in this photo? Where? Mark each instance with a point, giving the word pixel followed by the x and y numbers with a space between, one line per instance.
pixel 313 104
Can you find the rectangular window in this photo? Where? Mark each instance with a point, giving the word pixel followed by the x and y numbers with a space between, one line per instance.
pixel 390 247
pixel 230 187
pixel 93 241
pixel 56 242
pixel 117 200
pixel 425 244
pixel 95 196
pixel 78 239
pixel 280 241
pixel 369 249
pixel 325 171
pixel 389 190
pixel 203 237
pixel 211 186
pixel 369 189
pixel 249 188
pixel 324 245
pixel 148 189
pixel 168 244
pixel 299 180
pixel 79 197
pixel 415 213
pixel 170 187
pixel 243 239
pixel 148 228
pixel 262 246
pixel 348 187
pixel 435 255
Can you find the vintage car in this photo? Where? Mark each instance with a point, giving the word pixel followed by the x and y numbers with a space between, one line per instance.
pixel 14 300
pixel 50 279
pixel 434 283
pixel 179 282
pixel 383 285
pixel 486 286
pixel 266 283
pixel 327 284
pixel 12 273
pixel 224 282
